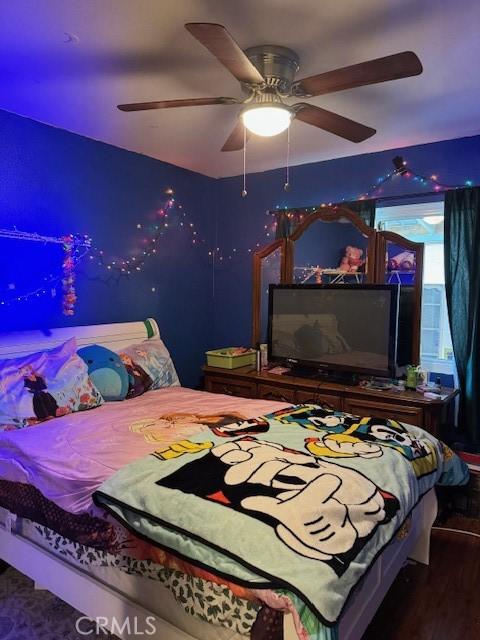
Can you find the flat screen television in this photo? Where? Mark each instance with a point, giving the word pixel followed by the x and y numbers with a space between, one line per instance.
pixel 345 328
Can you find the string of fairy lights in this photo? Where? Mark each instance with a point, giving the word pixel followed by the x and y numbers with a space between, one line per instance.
pixel 172 215
pixel 75 248
pixel 401 169
pixel 109 269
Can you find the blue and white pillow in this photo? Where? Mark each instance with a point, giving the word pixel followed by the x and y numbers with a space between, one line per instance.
pixel 153 358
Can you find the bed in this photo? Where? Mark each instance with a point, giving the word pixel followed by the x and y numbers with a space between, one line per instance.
pixel 103 591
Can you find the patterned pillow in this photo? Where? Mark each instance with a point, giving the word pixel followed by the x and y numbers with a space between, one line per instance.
pixel 139 380
pixel 44 385
pixel 149 366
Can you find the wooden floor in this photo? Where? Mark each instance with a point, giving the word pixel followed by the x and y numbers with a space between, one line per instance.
pixel 438 602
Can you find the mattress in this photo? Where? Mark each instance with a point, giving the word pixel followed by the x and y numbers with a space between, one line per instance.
pixel 49 472
pixel 68 458
pixel 157 598
pixel 78 452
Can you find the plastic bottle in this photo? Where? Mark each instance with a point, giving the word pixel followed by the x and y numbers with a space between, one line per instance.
pixel 263 356
pixel 258 360
pixel 411 381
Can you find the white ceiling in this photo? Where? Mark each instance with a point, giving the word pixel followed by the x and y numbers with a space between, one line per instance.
pixel 138 50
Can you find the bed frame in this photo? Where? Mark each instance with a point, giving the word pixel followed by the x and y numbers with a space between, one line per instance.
pixel 95 598
pixel 114 336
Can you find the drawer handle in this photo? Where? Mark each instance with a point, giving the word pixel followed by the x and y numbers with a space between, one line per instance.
pixel 228 391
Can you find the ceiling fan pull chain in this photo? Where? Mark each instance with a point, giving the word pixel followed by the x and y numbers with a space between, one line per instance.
pixel 286 186
pixel 244 190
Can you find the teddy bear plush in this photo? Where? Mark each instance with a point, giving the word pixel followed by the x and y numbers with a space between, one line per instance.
pixel 352 260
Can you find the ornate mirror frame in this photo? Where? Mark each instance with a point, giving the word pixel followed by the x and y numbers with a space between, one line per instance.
pixel 332 214
pixel 258 257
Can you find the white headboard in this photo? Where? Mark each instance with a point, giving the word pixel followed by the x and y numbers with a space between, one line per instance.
pixel 114 336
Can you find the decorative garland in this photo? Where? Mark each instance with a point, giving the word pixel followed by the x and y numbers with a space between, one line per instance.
pixel 75 247
pixel 68 280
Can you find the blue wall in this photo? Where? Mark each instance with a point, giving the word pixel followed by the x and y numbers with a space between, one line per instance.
pixel 241 221
pixel 55 182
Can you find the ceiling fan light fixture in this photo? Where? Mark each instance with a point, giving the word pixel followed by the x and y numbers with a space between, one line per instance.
pixel 268 120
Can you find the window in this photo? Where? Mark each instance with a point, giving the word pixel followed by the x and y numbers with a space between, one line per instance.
pixel 424 223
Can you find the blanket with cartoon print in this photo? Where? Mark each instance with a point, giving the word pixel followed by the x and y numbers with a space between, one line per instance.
pixel 303 499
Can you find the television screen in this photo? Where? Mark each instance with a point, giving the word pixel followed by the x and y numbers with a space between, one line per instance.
pixel 344 327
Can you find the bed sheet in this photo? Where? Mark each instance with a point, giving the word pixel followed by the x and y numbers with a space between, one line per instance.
pixel 68 458
pixel 65 460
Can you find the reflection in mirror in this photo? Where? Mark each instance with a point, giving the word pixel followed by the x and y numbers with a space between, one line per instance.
pixel 400 264
pixel 330 252
pixel 270 273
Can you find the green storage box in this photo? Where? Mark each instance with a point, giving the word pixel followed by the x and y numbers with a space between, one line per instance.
pixel 226 358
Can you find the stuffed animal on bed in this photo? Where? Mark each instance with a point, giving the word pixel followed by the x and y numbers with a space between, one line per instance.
pixel 352 260
pixel 106 370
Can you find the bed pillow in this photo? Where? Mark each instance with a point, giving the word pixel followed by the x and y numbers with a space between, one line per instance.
pixel 44 385
pixel 107 371
pixel 150 367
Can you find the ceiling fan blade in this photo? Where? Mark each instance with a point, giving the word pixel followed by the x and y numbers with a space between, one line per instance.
pixel 394 67
pixel 234 141
pixel 332 122
pixel 168 104
pixel 219 42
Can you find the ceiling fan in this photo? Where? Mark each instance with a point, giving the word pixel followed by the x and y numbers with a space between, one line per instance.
pixel 267 76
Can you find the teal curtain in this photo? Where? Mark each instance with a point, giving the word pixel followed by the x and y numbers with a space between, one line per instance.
pixel 462 284
pixel 288 221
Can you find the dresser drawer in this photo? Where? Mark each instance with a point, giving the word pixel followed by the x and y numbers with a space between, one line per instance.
pixel 241 388
pixel 275 392
pixel 400 412
pixel 318 397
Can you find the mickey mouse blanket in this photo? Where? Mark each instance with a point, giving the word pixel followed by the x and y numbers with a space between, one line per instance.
pixel 303 499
